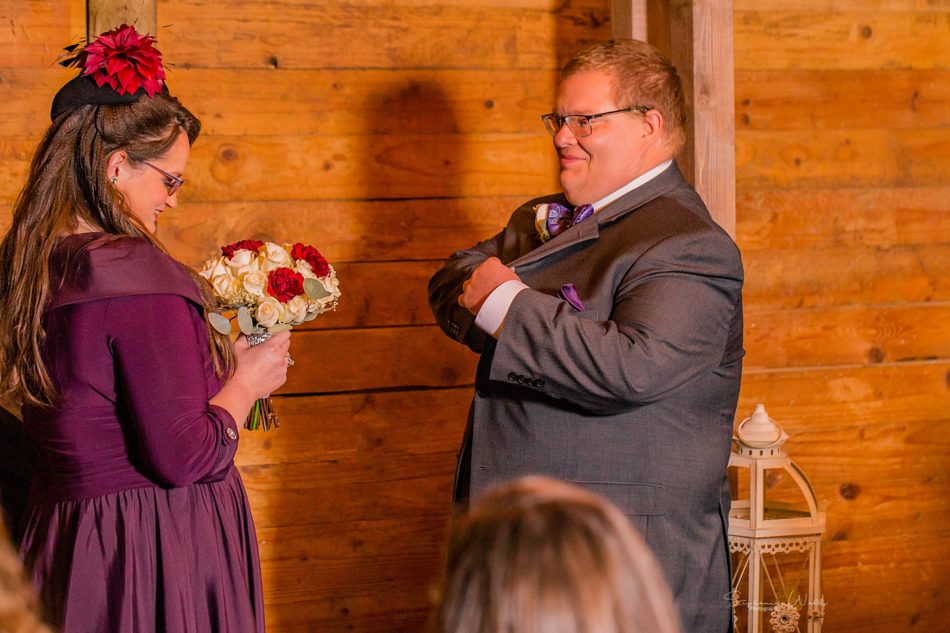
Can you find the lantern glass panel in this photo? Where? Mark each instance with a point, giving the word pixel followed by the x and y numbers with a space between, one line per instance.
pixel 783 601
pixel 739 482
pixel 783 498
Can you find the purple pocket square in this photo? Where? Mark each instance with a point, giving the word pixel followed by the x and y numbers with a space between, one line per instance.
pixel 569 293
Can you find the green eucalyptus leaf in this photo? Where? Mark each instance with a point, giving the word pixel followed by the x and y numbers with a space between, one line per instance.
pixel 245 322
pixel 280 327
pixel 315 289
pixel 220 323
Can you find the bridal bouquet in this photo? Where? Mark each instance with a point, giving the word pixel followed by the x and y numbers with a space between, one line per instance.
pixel 268 288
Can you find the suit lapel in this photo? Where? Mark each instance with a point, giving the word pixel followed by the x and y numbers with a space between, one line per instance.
pixel 589 229
pixel 584 232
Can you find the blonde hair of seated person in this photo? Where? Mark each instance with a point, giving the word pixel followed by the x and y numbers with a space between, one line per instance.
pixel 542 556
pixel 19 612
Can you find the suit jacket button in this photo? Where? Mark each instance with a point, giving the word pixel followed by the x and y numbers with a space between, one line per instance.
pixel 512 376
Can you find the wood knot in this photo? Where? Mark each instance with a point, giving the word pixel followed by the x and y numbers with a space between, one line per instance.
pixel 272 62
pixel 876 355
pixel 866 32
pixel 849 491
pixel 228 153
pixel 489 104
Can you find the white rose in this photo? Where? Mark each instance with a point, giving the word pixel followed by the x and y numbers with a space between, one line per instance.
pixel 296 309
pixel 254 281
pixel 226 287
pixel 276 254
pixel 303 267
pixel 241 258
pixel 268 312
pixel 213 268
pixel 286 316
pixel 265 265
pixel 332 285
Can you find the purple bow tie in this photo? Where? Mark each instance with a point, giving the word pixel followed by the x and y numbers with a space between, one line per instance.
pixel 561 217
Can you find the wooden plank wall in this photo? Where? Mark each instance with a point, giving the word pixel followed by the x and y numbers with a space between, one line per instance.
pixel 843 216
pixel 392 132
pixel 388 133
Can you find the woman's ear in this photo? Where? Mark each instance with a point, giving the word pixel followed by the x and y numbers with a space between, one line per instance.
pixel 117 161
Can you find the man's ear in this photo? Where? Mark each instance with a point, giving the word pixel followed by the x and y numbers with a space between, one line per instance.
pixel 653 124
pixel 117 161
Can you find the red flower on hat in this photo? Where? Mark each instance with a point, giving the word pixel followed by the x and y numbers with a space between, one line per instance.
pixel 124 60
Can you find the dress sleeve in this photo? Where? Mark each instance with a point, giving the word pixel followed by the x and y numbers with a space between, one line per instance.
pixel 158 345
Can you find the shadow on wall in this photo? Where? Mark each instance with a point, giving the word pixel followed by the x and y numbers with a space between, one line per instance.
pixel 405 163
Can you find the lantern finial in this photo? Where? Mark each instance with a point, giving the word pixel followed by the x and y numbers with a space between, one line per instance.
pixel 760 431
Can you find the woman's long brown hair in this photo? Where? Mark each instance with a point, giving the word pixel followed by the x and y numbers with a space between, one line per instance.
pixel 67 185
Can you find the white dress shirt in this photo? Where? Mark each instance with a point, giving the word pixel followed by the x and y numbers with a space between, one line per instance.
pixel 491 316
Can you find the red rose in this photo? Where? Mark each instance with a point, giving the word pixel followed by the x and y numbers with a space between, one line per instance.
pixel 284 284
pixel 313 257
pixel 247 245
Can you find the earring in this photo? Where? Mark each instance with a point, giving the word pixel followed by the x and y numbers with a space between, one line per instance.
pixel 113 179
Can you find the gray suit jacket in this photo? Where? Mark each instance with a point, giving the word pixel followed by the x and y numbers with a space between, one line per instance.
pixel 632 397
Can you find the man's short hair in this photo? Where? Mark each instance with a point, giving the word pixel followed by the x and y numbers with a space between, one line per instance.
pixel 642 75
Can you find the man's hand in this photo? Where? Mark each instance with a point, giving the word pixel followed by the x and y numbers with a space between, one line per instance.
pixel 490 274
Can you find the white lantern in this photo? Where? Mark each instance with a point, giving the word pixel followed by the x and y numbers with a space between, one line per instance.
pixel 775 533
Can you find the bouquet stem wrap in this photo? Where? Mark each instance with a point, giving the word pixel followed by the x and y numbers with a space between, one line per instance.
pixel 262 413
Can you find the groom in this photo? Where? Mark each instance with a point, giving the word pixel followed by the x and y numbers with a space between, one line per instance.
pixel 611 334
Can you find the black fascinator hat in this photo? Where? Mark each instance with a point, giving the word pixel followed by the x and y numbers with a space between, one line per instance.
pixel 119 66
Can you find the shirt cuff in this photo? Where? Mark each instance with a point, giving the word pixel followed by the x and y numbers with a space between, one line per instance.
pixel 492 314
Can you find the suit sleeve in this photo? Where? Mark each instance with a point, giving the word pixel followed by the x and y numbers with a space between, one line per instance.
pixel 157 349
pixel 446 286
pixel 670 323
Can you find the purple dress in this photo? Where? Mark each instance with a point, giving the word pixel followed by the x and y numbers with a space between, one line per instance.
pixel 138 520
